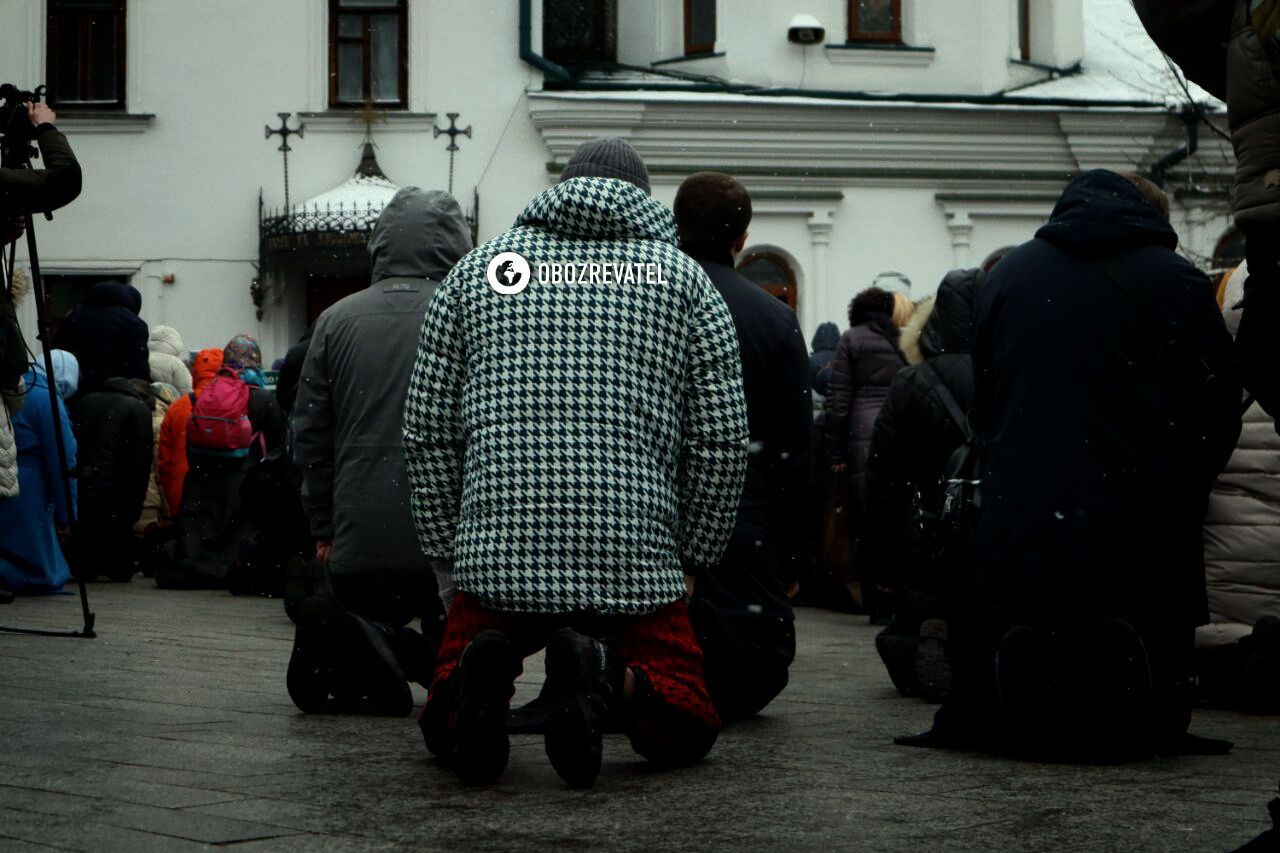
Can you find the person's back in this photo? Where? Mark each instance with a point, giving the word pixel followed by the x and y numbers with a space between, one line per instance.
pixel 741 608
pixel 1108 400
pixel 915 436
pixel 107 336
pixel 34 562
pixel 113 425
pixel 349 417
pixel 575 449
pixel 165 357
pixel 1099 456
pixel 171 455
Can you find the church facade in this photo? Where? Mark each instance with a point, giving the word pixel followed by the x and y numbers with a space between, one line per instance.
pixel 912 136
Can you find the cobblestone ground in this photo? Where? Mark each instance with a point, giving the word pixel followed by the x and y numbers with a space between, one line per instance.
pixel 173 731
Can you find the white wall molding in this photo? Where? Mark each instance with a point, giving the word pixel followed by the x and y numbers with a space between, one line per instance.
pixel 348 121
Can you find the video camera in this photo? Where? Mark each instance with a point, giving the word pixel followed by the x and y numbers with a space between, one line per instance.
pixel 16 131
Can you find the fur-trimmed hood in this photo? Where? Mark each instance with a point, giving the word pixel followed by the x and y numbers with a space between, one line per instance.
pixel 910 342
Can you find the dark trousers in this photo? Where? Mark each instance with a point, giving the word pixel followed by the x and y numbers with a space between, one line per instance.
pixel 747 656
pixel 670 721
pixel 394 599
pixel 102 541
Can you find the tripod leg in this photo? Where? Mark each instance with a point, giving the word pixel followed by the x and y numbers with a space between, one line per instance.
pixel 46 344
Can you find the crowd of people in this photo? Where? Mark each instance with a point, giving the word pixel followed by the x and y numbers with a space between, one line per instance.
pixel 1036 480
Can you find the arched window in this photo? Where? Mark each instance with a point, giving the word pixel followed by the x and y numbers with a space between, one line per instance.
pixel 1230 250
pixel 772 272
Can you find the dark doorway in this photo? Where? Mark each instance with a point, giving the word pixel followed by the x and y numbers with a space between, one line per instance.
pixel 575 32
pixel 772 272
pixel 325 290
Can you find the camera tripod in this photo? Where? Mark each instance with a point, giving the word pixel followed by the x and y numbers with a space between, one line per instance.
pixel 46 343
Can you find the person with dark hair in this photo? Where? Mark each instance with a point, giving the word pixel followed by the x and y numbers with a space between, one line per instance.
pixel 867 359
pixel 348 429
pixel 640 385
pixel 107 336
pixel 113 424
pixel 741 607
pixel 1108 399
pixel 915 436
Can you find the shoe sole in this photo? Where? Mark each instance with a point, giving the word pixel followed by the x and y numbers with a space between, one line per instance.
pixel 575 743
pixel 374 664
pixel 933 668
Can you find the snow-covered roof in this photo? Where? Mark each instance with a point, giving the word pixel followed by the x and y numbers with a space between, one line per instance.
pixel 359 199
pixel 1121 63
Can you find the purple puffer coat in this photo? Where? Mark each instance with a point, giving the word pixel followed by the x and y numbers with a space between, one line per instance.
pixel 867 359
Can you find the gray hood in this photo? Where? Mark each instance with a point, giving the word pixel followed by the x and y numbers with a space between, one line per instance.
pixel 420 234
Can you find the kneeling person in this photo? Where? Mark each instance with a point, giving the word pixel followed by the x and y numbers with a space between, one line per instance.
pixel 740 606
pixel 573 449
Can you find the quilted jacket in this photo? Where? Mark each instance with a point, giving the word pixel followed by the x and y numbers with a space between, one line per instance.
pixel 1217 46
pixel 10 403
pixel 574 447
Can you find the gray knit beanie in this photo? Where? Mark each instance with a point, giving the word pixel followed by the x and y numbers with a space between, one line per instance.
pixel 609 157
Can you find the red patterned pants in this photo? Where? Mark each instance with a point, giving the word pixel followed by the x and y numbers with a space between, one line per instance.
pixel 670 719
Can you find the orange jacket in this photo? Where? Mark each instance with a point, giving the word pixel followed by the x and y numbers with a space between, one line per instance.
pixel 171 460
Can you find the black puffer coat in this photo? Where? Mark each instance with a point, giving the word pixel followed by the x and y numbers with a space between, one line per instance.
pixel 1099 453
pixel 107 336
pixel 867 359
pixel 914 438
pixel 114 435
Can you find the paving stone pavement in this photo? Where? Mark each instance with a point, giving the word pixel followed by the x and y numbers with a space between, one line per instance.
pixel 173 731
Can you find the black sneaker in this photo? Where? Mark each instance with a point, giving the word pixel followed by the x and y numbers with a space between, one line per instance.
pixel 370 661
pixel 479 693
pixel 583 680
pixel 933 667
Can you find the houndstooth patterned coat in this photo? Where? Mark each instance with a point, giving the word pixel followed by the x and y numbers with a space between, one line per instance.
pixel 577 447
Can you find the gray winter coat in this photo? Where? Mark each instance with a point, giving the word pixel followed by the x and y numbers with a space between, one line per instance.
pixel 1215 44
pixel 349 414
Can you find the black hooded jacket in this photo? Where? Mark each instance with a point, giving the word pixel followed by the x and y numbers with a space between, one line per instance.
pixel 913 440
pixel 774 517
pixel 823 353
pixel 115 448
pixel 1100 452
pixel 107 336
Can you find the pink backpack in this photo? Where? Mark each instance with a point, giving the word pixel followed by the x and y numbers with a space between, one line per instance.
pixel 220 416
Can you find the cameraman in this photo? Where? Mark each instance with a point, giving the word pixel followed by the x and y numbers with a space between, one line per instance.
pixel 25 191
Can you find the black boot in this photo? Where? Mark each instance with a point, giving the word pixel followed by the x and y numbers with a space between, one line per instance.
pixel 470 719
pixel 311 677
pixel 583 681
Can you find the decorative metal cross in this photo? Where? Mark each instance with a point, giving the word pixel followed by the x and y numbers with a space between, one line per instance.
pixel 284 132
pixel 453 132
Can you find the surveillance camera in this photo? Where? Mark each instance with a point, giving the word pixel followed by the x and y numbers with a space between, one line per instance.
pixel 805 29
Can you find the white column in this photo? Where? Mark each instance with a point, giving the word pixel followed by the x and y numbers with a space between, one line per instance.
pixel 961 228
pixel 812 295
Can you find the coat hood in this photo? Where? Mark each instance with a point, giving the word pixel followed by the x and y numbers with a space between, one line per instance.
pixel 600 209
pixel 949 330
pixel 1101 213
pixel 114 293
pixel 420 234
pixel 910 342
pixel 206 366
pixel 826 338
pixel 166 340
pixel 66 372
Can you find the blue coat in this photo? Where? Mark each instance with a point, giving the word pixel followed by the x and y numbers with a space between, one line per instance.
pixel 31 559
